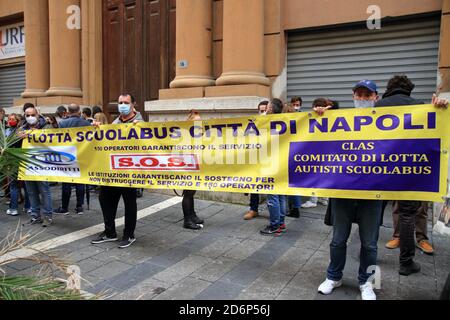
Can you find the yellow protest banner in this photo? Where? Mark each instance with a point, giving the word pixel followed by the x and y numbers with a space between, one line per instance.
pixel 396 153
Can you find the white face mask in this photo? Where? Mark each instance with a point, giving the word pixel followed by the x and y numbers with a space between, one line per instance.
pixel 32 120
pixel 364 103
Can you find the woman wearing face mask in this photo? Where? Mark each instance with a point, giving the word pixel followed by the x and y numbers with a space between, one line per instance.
pixel 12 126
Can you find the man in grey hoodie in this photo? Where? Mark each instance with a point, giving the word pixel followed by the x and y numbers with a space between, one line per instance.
pixel 110 196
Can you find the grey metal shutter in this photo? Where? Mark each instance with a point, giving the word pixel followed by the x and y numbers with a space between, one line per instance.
pixel 12 84
pixel 329 63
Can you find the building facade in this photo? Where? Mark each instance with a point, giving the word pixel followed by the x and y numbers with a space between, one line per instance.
pixel 221 57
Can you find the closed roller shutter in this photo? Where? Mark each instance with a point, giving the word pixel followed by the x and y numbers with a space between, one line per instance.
pixel 12 84
pixel 328 64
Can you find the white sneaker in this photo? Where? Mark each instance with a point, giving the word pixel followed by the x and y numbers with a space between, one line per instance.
pixel 309 204
pixel 328 286
pixel 367 292
pixel 12 212
pixel 323 202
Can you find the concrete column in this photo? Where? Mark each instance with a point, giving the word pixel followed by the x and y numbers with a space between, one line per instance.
pixel 65 51
pixel 444 51
pixel 37 48
pixel 194 44
pixel 243 43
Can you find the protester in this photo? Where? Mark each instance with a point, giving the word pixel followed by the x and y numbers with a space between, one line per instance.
pixel 254 197
pixel 87 115
pixel 296 104
pixel 295 202
pixel 61 113
pixel 191 220
pixel 99 116
pixel 275 203
pixel 51 120
pixel 38 191
pixel 110 196
pixel 326 104
pixel 366 213
pixel 74 120
pixel 398 93
pixel 12 127
pixel 421 228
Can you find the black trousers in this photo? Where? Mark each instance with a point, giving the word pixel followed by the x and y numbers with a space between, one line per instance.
pixel 188 203
pixel 109 200
pixel 407 219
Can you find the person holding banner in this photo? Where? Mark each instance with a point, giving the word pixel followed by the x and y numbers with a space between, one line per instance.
pixel 73 120
pixel 110 196
pixel 344 212
pixel 254 197
pixel 295 202
pixel 276 203
pixel 411 214
pixel 191 220
pixel 38 191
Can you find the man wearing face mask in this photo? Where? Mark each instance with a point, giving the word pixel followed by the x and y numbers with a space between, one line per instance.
pixel 110 196
pixel 296 103
pixel 365 94
pixel 38 190
pixel 344 212
pixel 74 120
pixel 254 197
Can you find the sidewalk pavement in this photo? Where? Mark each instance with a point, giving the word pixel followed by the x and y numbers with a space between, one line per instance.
pixel 227 260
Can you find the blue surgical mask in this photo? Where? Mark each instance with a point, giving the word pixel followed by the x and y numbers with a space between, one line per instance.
pixel 364 103
pixel 124 109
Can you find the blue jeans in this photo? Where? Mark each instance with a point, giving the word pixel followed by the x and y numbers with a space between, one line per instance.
pixel 14 192
pixel 367 214
pixel 277 209
pixel 39 191
pixel 67 191
pixel 295 202
pixel 27 204
pixel 254 202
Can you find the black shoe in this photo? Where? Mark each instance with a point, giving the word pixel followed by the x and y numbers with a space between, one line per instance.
pixel 409 269
pixel 79 211
pixel 196 219
pixel 102 238
pixel 269 231
pixel 61 210
pixel 190 224
pixel 126 242
pixel 294 213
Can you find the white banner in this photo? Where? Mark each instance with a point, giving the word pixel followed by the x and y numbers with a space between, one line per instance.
pixel 12 41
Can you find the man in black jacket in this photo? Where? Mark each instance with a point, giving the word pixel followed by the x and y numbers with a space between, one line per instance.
pixel 398 93
pixel 110 196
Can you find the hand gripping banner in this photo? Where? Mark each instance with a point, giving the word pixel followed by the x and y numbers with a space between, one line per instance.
pixel 396 153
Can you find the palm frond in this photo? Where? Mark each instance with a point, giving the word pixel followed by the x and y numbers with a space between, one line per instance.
pixel 30 288
pixel 12 159
pixel 43 284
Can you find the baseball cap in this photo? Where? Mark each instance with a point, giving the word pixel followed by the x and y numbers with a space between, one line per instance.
pixel 368 84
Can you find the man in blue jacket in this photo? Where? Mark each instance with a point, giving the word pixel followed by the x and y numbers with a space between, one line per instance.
pixel 74 120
